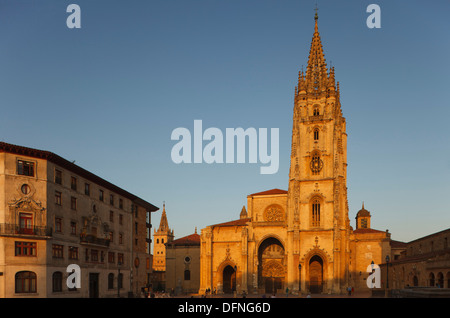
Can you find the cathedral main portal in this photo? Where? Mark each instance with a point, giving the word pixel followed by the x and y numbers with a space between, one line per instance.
pixel 272 267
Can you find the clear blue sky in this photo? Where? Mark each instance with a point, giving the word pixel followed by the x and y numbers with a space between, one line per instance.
pixel 108 95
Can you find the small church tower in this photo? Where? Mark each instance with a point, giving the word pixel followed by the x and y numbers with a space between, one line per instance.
pixel 161 237
pixel 363 219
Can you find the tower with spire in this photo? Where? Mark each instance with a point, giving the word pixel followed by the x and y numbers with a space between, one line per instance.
pixel 317 194
pixel 161 237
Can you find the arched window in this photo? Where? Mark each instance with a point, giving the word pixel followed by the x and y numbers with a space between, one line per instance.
pixel 187 274
pixel 315 215
pixel 110 281
pixel 57 282
pixel 25 282
pixel 316 134
pixel 316 111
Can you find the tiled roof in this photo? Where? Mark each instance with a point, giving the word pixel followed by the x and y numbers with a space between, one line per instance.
pixel 365 231
pixel 398 244
pixel 270 192
pixel 240 222
pixel 190 240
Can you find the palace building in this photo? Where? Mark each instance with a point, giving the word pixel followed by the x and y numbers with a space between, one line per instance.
pixel 300 239
pixel 54 213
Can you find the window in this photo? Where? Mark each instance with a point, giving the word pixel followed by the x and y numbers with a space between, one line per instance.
pixel 316 111
pixel 187 274
pixel 111 216
pixel 364 223
pixel 316 212
pixel 111 199
pixel 120 258
pixel 100 195
pixel 57 251
pixel 110 281
pixel 58 176
pixel 25 188
pixel 25 168
pixel 135 228
pixel 73 203
pixel 58 225
pixel 57 281
pixel 25 282
pixel 316 134
pixel 73 228
pixel 120 238
pixel 87 189
pixel 94 255
pixel 111 257
pixel 57 198
pixel 25 223
pixel 120 204
pixel 120 219
pixel 25 248
pixel 73 183
pixel 73 252
pixel 111 236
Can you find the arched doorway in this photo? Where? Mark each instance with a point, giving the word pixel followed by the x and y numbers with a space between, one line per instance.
pixel 316 274
pixel 229 280
pixel 415 281
pixel 440 280
pixel 271 269
pixel 431 279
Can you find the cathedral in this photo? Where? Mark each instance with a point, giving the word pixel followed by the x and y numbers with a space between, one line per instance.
pixel 299 240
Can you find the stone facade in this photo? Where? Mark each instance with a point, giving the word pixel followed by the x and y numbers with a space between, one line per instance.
pixel 183 265
pixel 54 213
pixel 424 262
pixel 299 239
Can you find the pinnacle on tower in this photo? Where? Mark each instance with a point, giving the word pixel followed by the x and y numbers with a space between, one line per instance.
pixel 316 71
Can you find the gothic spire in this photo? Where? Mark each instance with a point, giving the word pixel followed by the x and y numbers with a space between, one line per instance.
pixel 163 224
pixel 316 71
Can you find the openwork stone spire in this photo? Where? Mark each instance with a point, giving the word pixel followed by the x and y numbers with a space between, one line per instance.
pixel 163 224
pixel 316 71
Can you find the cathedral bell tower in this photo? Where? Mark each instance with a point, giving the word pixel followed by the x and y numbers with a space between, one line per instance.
pixel 162 236
pixel 317 214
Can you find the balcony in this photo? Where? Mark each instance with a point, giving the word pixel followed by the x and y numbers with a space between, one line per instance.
pixel 94 240
pixel 7 229
pixel 316 118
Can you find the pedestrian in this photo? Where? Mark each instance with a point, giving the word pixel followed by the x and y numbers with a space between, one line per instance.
pixel 352 290
pixel 349 290
pixel 287 292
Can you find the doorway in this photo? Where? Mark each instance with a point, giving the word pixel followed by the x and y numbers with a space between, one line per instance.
pixel 93 285
pixel 316 275
pixel 229 280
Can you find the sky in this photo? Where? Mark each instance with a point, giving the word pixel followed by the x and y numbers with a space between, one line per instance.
pixel 109 94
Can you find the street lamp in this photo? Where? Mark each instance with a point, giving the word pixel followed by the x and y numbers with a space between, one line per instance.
pixel 118 279
pixel 299 278
pixel 387 274
pixel 235 279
